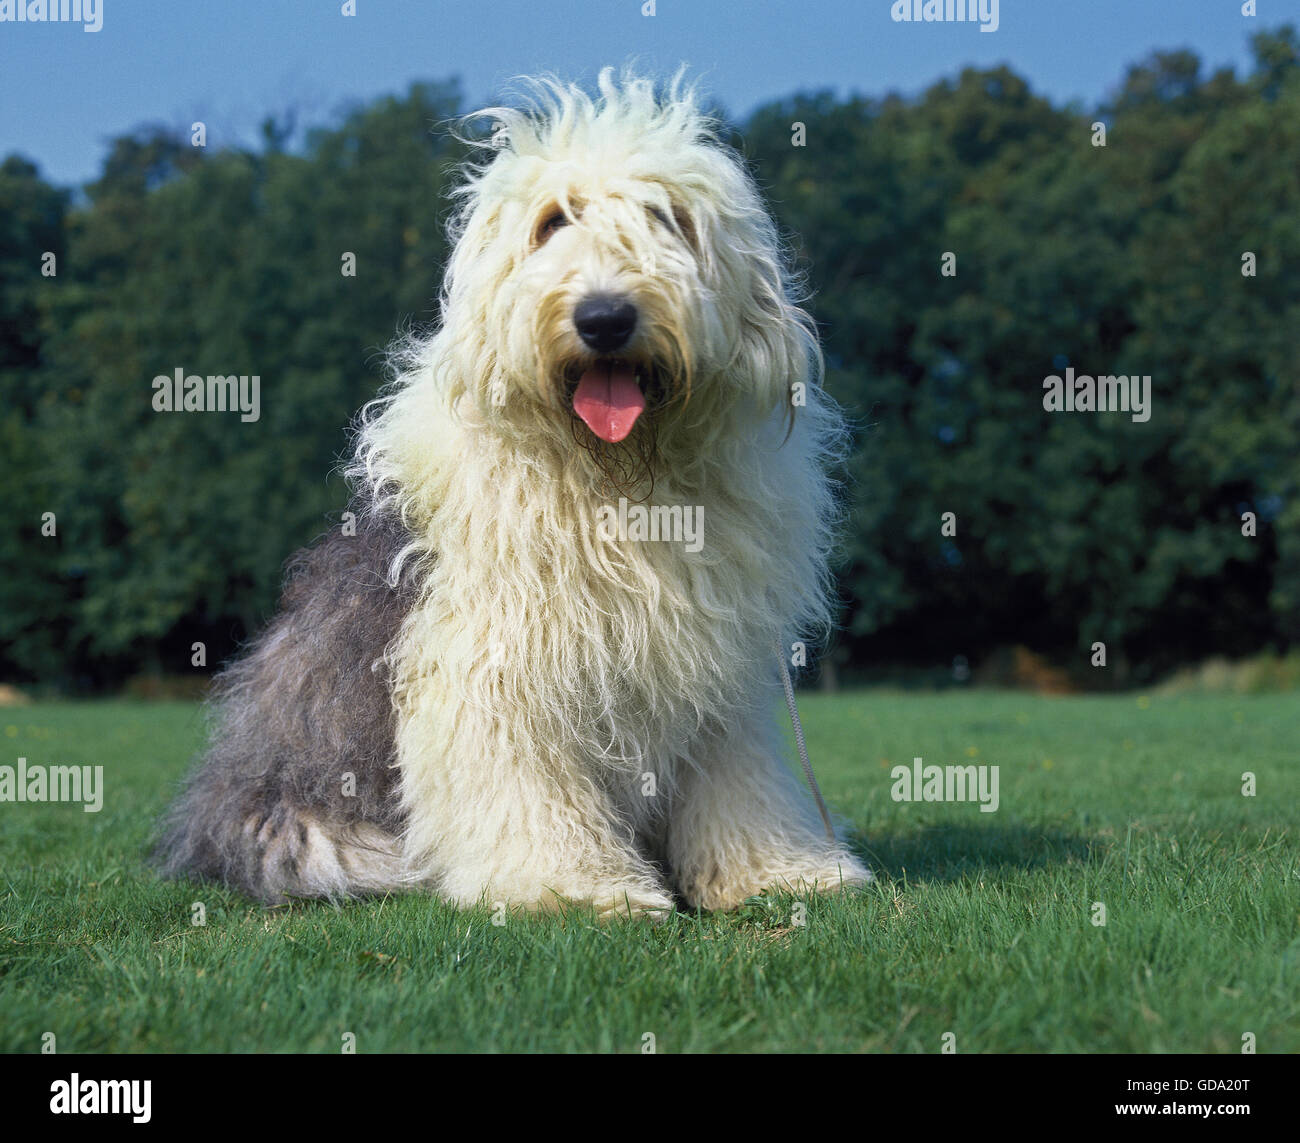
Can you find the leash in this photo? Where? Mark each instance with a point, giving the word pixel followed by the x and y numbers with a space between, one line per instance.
pixel 788 683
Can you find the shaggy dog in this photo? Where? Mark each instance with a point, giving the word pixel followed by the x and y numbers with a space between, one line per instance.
pixel 499 683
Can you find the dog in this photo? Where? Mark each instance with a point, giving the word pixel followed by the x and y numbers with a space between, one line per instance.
pixel 493 681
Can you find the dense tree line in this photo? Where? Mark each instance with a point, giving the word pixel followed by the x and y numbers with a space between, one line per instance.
pixel 959 247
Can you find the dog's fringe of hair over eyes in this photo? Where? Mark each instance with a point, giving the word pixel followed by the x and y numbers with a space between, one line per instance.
pixel 534 670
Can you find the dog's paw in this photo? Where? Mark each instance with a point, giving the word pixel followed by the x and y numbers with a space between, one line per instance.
pixel 642 902
pixel 728 889
pixel 845 873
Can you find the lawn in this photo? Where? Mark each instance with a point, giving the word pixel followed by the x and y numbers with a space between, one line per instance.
pixel 980 924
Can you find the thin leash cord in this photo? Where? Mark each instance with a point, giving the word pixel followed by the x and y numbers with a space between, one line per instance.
pixel 788 683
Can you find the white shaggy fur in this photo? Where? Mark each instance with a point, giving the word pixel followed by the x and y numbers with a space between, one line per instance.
pixel 545 670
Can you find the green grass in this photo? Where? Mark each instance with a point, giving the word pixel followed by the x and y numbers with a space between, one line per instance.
pixel 979 924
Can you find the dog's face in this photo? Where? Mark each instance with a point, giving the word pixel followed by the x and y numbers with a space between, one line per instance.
pixel 623 281
pixel 622 318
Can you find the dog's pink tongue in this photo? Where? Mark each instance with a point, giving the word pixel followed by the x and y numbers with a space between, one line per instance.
pixel 609 400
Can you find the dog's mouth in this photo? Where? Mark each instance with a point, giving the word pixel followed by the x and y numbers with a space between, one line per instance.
pixel 610 394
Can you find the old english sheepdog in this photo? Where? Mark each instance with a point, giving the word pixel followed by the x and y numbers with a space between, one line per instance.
pixel 510 676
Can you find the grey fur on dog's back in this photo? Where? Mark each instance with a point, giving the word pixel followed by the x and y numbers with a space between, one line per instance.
pixel 267 811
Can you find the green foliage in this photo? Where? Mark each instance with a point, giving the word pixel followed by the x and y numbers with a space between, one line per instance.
pixel 177 526
pixel 1124 259
pixel 34 604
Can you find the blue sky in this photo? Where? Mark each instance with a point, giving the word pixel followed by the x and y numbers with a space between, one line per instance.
pixel 64 91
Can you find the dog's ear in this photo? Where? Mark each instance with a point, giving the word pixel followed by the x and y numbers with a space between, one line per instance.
pixel 774 351
pixel 785 353
pixel 778 355
pixel 805 356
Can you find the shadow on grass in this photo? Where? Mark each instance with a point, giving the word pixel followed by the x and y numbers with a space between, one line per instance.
pixel 949 853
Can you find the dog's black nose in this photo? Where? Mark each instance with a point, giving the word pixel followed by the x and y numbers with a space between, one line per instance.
pixel 605 323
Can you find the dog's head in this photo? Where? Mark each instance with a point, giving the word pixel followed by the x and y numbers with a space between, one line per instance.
pixel 616 278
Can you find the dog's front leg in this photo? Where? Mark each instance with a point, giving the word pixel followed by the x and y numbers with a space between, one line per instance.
pixel 500 821
pixel 742 824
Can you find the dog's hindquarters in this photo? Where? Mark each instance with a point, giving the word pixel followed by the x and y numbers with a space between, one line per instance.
pixel 297 793
pixel 257 838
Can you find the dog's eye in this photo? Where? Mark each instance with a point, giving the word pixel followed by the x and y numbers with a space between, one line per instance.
pixel 680 223
pixel 685 227
pixel 554 221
